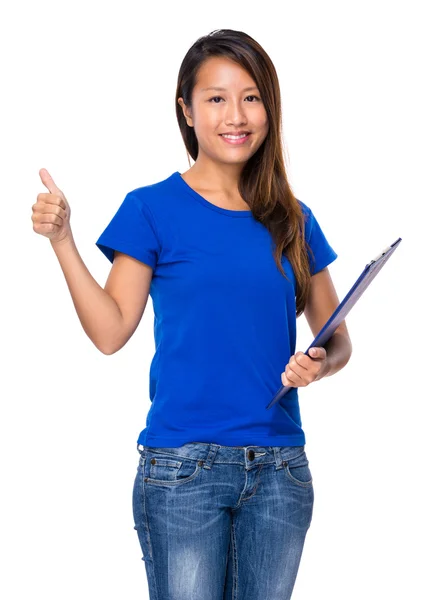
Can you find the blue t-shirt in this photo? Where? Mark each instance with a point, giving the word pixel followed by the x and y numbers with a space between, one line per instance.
pixel 224 317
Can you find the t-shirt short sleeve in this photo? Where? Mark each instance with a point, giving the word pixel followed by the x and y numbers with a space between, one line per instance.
pixel 323 253
pixel 131 231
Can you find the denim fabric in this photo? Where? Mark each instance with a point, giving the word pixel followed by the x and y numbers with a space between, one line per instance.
pixel 222 522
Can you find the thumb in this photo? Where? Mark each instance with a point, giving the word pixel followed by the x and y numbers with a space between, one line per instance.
pixel 317 352
pixel 47 180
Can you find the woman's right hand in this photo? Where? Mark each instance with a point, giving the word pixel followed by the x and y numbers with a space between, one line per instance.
pixel 51 213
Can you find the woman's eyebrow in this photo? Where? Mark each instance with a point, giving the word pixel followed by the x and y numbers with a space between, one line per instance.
pixel 222 89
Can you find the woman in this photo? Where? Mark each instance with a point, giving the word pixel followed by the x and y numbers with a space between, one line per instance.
pixel 223 495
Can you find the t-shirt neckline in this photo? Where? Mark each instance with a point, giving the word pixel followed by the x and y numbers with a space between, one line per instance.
pixel 225 211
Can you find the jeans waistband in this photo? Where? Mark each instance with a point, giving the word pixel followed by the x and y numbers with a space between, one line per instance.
pixel 211 452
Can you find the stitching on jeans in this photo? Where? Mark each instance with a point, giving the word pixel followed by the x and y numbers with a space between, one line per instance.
pixel 146 525
pixel 145 513
pixel 256 485
pixel 234 561
pixel 281 465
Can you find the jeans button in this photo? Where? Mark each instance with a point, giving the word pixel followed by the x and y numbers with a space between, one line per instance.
pixel 250 455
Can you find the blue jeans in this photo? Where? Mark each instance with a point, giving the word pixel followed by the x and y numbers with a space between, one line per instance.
pixel 222 522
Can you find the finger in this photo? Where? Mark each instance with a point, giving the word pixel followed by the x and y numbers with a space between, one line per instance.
pixel 318 352
pixel 293 377
pixel 300 360
pixel 47 180
pixel 298 368
pixel 285 380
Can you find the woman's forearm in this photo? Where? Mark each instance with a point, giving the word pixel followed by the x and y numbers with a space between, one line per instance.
pixel 339 350
pixel 98 312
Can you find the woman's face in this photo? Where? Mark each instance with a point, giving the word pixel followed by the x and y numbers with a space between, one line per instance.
pixel 231 109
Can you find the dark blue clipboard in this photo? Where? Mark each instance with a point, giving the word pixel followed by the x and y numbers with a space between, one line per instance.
pixel 356 291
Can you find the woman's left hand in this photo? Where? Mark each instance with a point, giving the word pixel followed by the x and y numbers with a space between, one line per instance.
pixel 303 370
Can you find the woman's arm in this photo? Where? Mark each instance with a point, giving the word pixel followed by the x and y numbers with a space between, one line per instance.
pixel 339 350
pixel 322 302
pixel 109 315
pixel 98 312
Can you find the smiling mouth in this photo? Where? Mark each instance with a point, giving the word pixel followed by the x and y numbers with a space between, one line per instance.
pixel 235 140
pixel 235 136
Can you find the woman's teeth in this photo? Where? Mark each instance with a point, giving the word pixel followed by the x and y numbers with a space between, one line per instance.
pixel 234 137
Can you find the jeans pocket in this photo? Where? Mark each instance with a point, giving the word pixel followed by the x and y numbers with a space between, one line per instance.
pixel 298 471
pixel 161 469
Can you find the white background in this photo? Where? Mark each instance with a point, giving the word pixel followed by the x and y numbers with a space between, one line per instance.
pixel 89 94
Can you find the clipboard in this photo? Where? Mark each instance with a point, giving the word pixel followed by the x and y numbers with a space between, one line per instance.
pixel 361 284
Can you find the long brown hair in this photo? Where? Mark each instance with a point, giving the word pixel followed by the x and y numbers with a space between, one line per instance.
pixel 263 183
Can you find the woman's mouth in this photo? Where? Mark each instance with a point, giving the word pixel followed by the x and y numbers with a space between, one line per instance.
pixel 235 140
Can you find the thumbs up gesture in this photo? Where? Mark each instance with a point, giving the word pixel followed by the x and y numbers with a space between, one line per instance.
pixel 51 213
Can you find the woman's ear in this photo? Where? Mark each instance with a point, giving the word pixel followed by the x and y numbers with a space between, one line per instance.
pixel 186 112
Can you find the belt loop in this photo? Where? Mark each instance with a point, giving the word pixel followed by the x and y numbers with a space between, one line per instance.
pixel 278 457
pixel 213 448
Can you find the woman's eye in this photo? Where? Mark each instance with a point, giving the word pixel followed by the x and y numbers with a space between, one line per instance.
pixel 215 97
